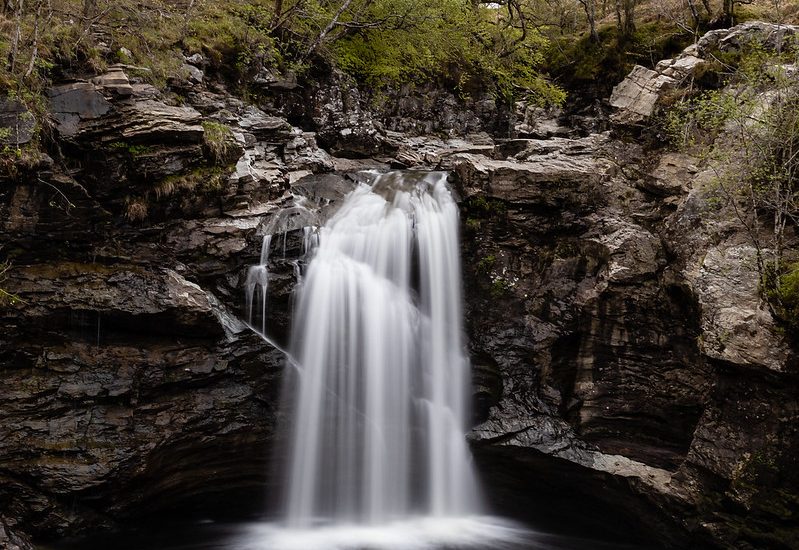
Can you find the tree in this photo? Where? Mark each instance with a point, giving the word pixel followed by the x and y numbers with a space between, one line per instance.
pixel 590 12
pixel 625 17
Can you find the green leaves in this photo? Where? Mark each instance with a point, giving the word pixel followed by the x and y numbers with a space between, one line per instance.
pixel 389 42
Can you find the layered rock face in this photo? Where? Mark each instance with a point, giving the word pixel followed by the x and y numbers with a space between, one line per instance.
pixel 625 367
pixel 130 384
pixel 616 324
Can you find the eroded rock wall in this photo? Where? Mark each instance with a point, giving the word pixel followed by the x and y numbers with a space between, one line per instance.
pixel 624 362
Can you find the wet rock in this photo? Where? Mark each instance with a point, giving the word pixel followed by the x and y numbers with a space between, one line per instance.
pixel 73 103
pixel 617 336
pixel 124 296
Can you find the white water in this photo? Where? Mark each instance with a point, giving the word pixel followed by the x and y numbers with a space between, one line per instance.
pixel 256 287
pixel 379 403
pixel 420 533
pixel 380 409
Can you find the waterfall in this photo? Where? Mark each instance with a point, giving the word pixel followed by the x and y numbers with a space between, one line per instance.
pixel 378 384
pixel 380 409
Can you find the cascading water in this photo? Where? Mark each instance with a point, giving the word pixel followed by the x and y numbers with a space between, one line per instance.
pixel 256 286
pixel 379 398
pixel 380 410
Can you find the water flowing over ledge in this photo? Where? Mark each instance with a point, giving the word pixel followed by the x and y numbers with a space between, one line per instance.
pixel 380 405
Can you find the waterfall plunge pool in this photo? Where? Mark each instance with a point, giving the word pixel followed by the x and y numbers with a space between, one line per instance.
pixel 424 533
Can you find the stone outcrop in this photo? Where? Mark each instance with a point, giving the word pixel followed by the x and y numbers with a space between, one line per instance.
pixel 639 96
pixel 616 325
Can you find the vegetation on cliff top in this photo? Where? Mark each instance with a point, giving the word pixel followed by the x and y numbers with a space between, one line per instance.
pixel 378 41
pixel 747 131
pixel 503 46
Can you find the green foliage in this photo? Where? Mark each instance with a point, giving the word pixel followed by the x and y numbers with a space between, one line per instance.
pixel 218 140
pixel 382 42
pixel 782 291
pixel 235 36
pixel 448 42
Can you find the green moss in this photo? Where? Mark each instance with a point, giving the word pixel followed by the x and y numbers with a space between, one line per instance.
pixel 500 287
pixel 566 249
pixel 473 224
pixel 486 264
pixel 782 291
pixel 134 150
pixel 487 205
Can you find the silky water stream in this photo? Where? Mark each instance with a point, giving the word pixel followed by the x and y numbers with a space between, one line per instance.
pixel 378 454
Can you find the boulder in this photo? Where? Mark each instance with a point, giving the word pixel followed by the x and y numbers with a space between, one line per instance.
pixel 637 95
pixel 737 327
pixel 770 36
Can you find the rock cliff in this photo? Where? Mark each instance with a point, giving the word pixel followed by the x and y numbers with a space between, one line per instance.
pixel 625 365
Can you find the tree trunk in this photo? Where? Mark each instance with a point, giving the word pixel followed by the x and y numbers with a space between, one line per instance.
pixel 728 13
pixel 89 9
pixel 278 12
pixel 330 26
pixel 16 36
pixel 694 13
pixel 590 13
pixel 629 18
